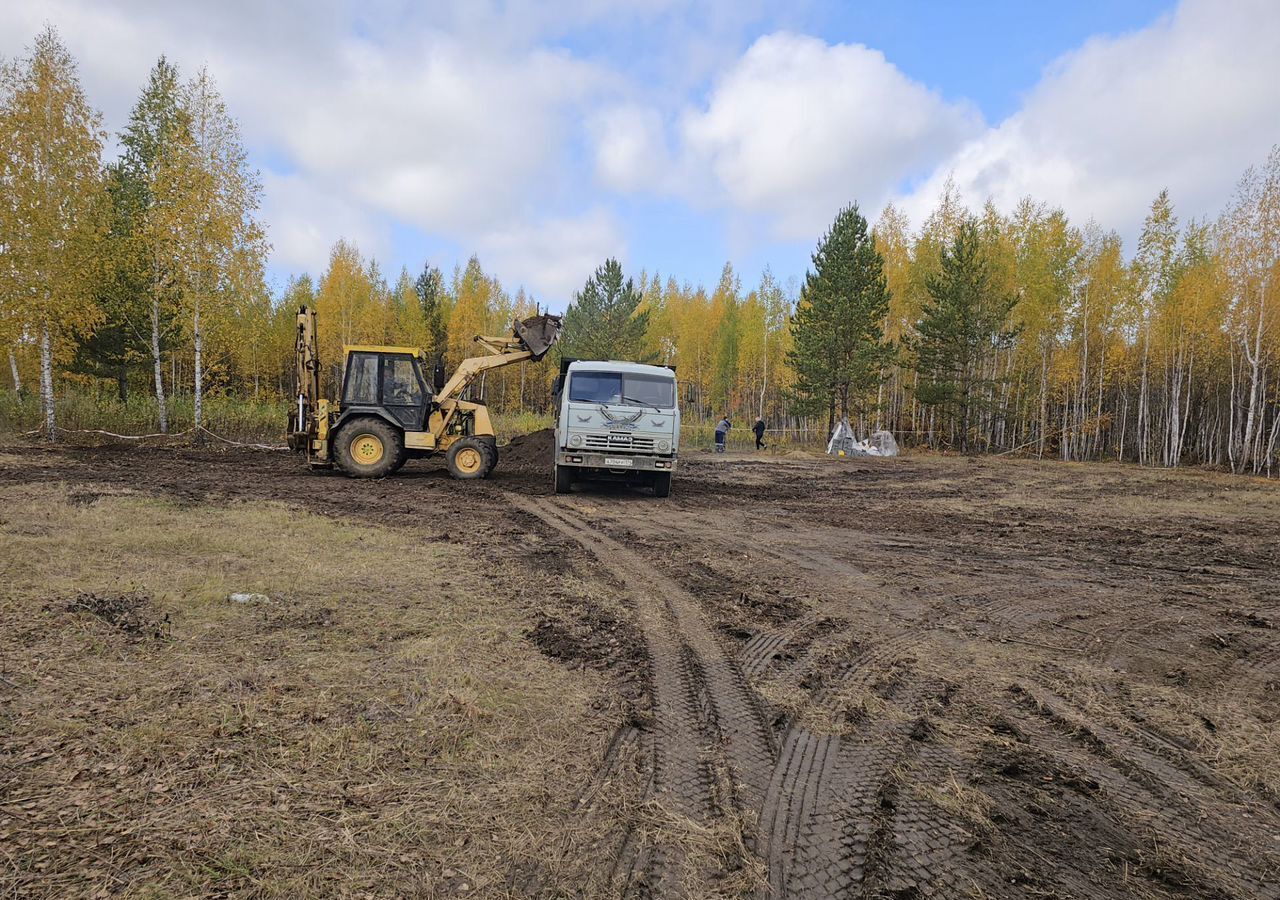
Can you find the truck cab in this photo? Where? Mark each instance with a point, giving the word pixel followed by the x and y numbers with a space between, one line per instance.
pixel 616 421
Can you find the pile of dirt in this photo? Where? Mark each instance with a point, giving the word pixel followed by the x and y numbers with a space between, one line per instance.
pixel 132 613
pixel 529 451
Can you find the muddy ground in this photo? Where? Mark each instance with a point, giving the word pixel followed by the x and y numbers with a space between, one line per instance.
pixel 913 677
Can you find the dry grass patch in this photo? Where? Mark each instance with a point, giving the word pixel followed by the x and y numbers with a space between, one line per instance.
pixel 377 726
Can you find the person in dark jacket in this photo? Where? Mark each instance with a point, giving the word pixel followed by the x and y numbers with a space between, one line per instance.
pixel 722 432
pixel 758 428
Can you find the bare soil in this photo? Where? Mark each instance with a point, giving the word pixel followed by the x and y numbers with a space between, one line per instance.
pixel 912 677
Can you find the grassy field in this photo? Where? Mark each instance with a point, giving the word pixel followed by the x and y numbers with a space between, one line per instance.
pixel 377 723
pixel 233 418
pixel 82 416
pixel 882 677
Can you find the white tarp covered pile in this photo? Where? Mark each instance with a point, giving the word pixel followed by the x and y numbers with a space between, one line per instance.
pixel 844 443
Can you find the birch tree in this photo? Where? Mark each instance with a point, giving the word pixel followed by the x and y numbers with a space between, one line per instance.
pixel 1250 242
pixel 52 204
pixel 154 169
pixel 225 248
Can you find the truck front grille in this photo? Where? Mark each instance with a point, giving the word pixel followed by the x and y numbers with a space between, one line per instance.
pixel 618 441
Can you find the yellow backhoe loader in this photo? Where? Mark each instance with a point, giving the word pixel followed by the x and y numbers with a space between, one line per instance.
pixel 389 413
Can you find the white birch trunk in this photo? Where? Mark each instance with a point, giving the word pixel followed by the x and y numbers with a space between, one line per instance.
pixel 162 407
pixel 46 384
pixel 198 336
pixel 13 370
pixel 1143 411
pixel 764 367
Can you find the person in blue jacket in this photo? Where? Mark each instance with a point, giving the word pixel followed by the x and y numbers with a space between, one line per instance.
pixel 722 432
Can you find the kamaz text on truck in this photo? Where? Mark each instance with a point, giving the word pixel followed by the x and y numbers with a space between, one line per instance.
pixel 616 421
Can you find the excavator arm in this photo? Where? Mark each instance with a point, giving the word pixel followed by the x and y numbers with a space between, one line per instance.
pixel 503 352
pixel 530 339
pixel 307 376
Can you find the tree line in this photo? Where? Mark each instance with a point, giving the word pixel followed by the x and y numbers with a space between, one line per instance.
pixel 978 330
pixel 105 268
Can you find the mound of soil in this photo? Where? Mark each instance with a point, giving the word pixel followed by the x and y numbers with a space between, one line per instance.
pixel 132 613
pixel 528 451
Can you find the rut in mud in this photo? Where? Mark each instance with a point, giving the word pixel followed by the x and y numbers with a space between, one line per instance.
pixel 890 678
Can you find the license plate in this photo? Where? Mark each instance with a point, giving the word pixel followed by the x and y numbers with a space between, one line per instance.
pixel 616 462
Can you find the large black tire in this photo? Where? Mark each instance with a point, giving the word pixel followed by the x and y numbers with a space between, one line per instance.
pixel 492 443
pixel 662 484
pixel 368 448
pixel 564 479
pixel 469 457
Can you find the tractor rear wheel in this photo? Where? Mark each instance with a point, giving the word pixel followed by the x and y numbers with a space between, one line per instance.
pixel 369 448
pixel 469 457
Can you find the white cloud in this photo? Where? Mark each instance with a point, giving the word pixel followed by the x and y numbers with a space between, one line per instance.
pixel 360 118
pixel 553 257
pixel 470 122
pixel 303 219
pixel 1186 103
pixel 438 135
pixel 797 128
pixel 630 148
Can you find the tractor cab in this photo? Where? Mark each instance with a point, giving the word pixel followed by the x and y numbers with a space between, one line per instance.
pixel 387 382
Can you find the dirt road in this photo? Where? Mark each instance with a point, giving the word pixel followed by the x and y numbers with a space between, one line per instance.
pixel 917 677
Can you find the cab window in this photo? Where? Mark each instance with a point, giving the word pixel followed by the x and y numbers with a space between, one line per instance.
pixel 362 380
pixel 400 385
pixel 649 390
pixel 595 387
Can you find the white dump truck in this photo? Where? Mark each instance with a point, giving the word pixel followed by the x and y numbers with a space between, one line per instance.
pixel 616 421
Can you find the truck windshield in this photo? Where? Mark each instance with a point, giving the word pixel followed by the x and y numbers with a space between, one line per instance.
pixel 622 388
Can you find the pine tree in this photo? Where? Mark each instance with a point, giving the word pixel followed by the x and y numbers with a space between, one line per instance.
pixel 963 322
pixel 52 205
pixel 121 338
pixel 603 321
pixel 838 326
pixel 431 296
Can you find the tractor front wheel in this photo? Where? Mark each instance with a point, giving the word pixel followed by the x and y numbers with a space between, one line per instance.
pixel 369 448
pixel 469 457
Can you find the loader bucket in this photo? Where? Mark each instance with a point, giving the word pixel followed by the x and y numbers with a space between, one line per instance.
pixel 539 333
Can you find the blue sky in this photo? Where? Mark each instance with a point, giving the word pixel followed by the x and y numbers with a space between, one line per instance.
pixel 678 135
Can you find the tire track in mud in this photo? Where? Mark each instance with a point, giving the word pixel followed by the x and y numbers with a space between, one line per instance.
pixel 1158 797
pixel 767 644
pixel 831 821
pixel 712 747
pixel 852 814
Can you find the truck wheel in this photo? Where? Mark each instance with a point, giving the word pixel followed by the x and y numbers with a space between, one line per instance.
pixel 369 448
pixel 564 479
pixel 662 484
pixel 469 457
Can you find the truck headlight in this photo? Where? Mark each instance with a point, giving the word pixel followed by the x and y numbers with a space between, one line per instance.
pixel 575 440
pixel 664 446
